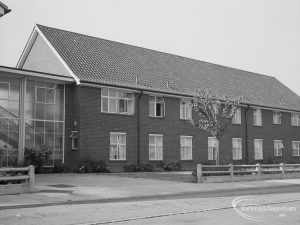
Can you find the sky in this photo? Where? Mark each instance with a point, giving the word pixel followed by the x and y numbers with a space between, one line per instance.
pixel 261 36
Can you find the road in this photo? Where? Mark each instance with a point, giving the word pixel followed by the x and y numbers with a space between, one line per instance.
pixel 191 210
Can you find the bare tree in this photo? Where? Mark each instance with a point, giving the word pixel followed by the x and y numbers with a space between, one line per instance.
pixel 214 114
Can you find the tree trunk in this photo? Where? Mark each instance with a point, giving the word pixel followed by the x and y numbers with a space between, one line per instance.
pixel 218 152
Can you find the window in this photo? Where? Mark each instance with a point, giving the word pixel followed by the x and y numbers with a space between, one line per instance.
pixel 277 118
pixel 296 148
pixel 237 119
pixel 257 118
pixel 213 146
pixel 185 110
pixel 278 146
pixel 236 148
pixel 155 147
pixel 186 147
pixel 44 118
pixel 156 106
pixel 295 119
pixel 117 102
pixel 258 149
pixel 117 146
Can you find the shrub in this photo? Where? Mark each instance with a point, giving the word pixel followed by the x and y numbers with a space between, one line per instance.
pixel 171 165
pixel 146 168
pixel 90 166
pixel 61 168
pixel 143 168
pixel 131 168
pixel 37 157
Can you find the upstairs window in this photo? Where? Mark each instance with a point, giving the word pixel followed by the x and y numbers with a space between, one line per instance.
pixel 277 118
pixel 258 149
pixel 185 110
pixel 156 106
pixel 117 146
pixel 212 148
pixel 237 117
pixel 295 119
pixel 236 148
pixel 278 146
pixel 186 146
pixel 117 102
pixel 257 118
pixel 296 148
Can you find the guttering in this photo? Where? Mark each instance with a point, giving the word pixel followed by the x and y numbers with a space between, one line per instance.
pixel 22 72
pixel 138 129
pixel 246 134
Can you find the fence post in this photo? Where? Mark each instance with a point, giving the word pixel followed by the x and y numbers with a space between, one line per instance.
pixel 31 177
pixel 282 168
pixel 199 173
pixel 231 171
pixel 258 168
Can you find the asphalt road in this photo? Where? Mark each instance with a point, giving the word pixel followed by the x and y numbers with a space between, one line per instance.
pixel 191 210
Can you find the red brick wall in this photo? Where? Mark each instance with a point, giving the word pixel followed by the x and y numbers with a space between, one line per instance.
pixel 95 127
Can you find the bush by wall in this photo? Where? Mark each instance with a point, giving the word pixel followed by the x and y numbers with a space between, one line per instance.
pixel 171 165
pixel 91 166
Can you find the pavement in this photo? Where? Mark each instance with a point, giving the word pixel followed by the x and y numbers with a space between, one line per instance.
pixel 63 189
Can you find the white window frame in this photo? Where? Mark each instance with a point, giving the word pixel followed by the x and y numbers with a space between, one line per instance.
pixel 295 119
pixel 257 117
pixel 118 145
pixel 186 148
pixel 185 110
pixel 74 140
pixel 155 100
pixel 213 146
pixel 296 148
pixel 237 148
pixel 237 117
pixel 117 98
pixel 277 117
pixel 157 156
pixel 278 147
pixel 258 149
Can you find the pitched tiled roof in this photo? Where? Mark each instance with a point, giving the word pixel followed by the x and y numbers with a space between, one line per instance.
pixel 107 62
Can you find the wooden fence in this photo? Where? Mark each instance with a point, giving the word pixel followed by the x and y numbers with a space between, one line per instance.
pixel 16 180
pixel 246 172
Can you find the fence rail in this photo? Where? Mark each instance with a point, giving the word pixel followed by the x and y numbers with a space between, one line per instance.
pixel 258 170
pixel 13 180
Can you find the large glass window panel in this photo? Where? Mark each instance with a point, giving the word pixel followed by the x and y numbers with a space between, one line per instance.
pixel 49 112
pixel 40 94
pixel 40 111
pixel 50 96
pixel 4 90
pixel 13 108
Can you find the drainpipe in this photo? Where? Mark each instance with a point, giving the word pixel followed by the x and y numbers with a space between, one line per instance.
pixel 138 128
pixel 246 134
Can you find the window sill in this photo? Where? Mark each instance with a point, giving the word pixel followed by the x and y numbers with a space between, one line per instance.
pixel 186 160
pixel 295 155
pixel 157 117
pixel 74 149
pixel 276 123
pixel 236 123
pixel 155 160
pixel 257 125
pixel 118 160
pixel 118 114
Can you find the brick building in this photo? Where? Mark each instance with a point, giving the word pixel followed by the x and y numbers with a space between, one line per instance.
pixel 88 97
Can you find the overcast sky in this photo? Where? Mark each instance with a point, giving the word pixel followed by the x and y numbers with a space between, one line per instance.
pixel 261 36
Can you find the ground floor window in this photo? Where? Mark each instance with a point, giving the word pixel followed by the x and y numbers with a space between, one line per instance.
pixel 237 148
pixel 212 148
pixel 9 121
pixel 258 149
pixel 296 148
pixel 155 146
pixel 117 146
pixel 186 146
pixel 278 146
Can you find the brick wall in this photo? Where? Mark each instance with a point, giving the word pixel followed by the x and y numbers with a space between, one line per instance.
pixel 84 106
